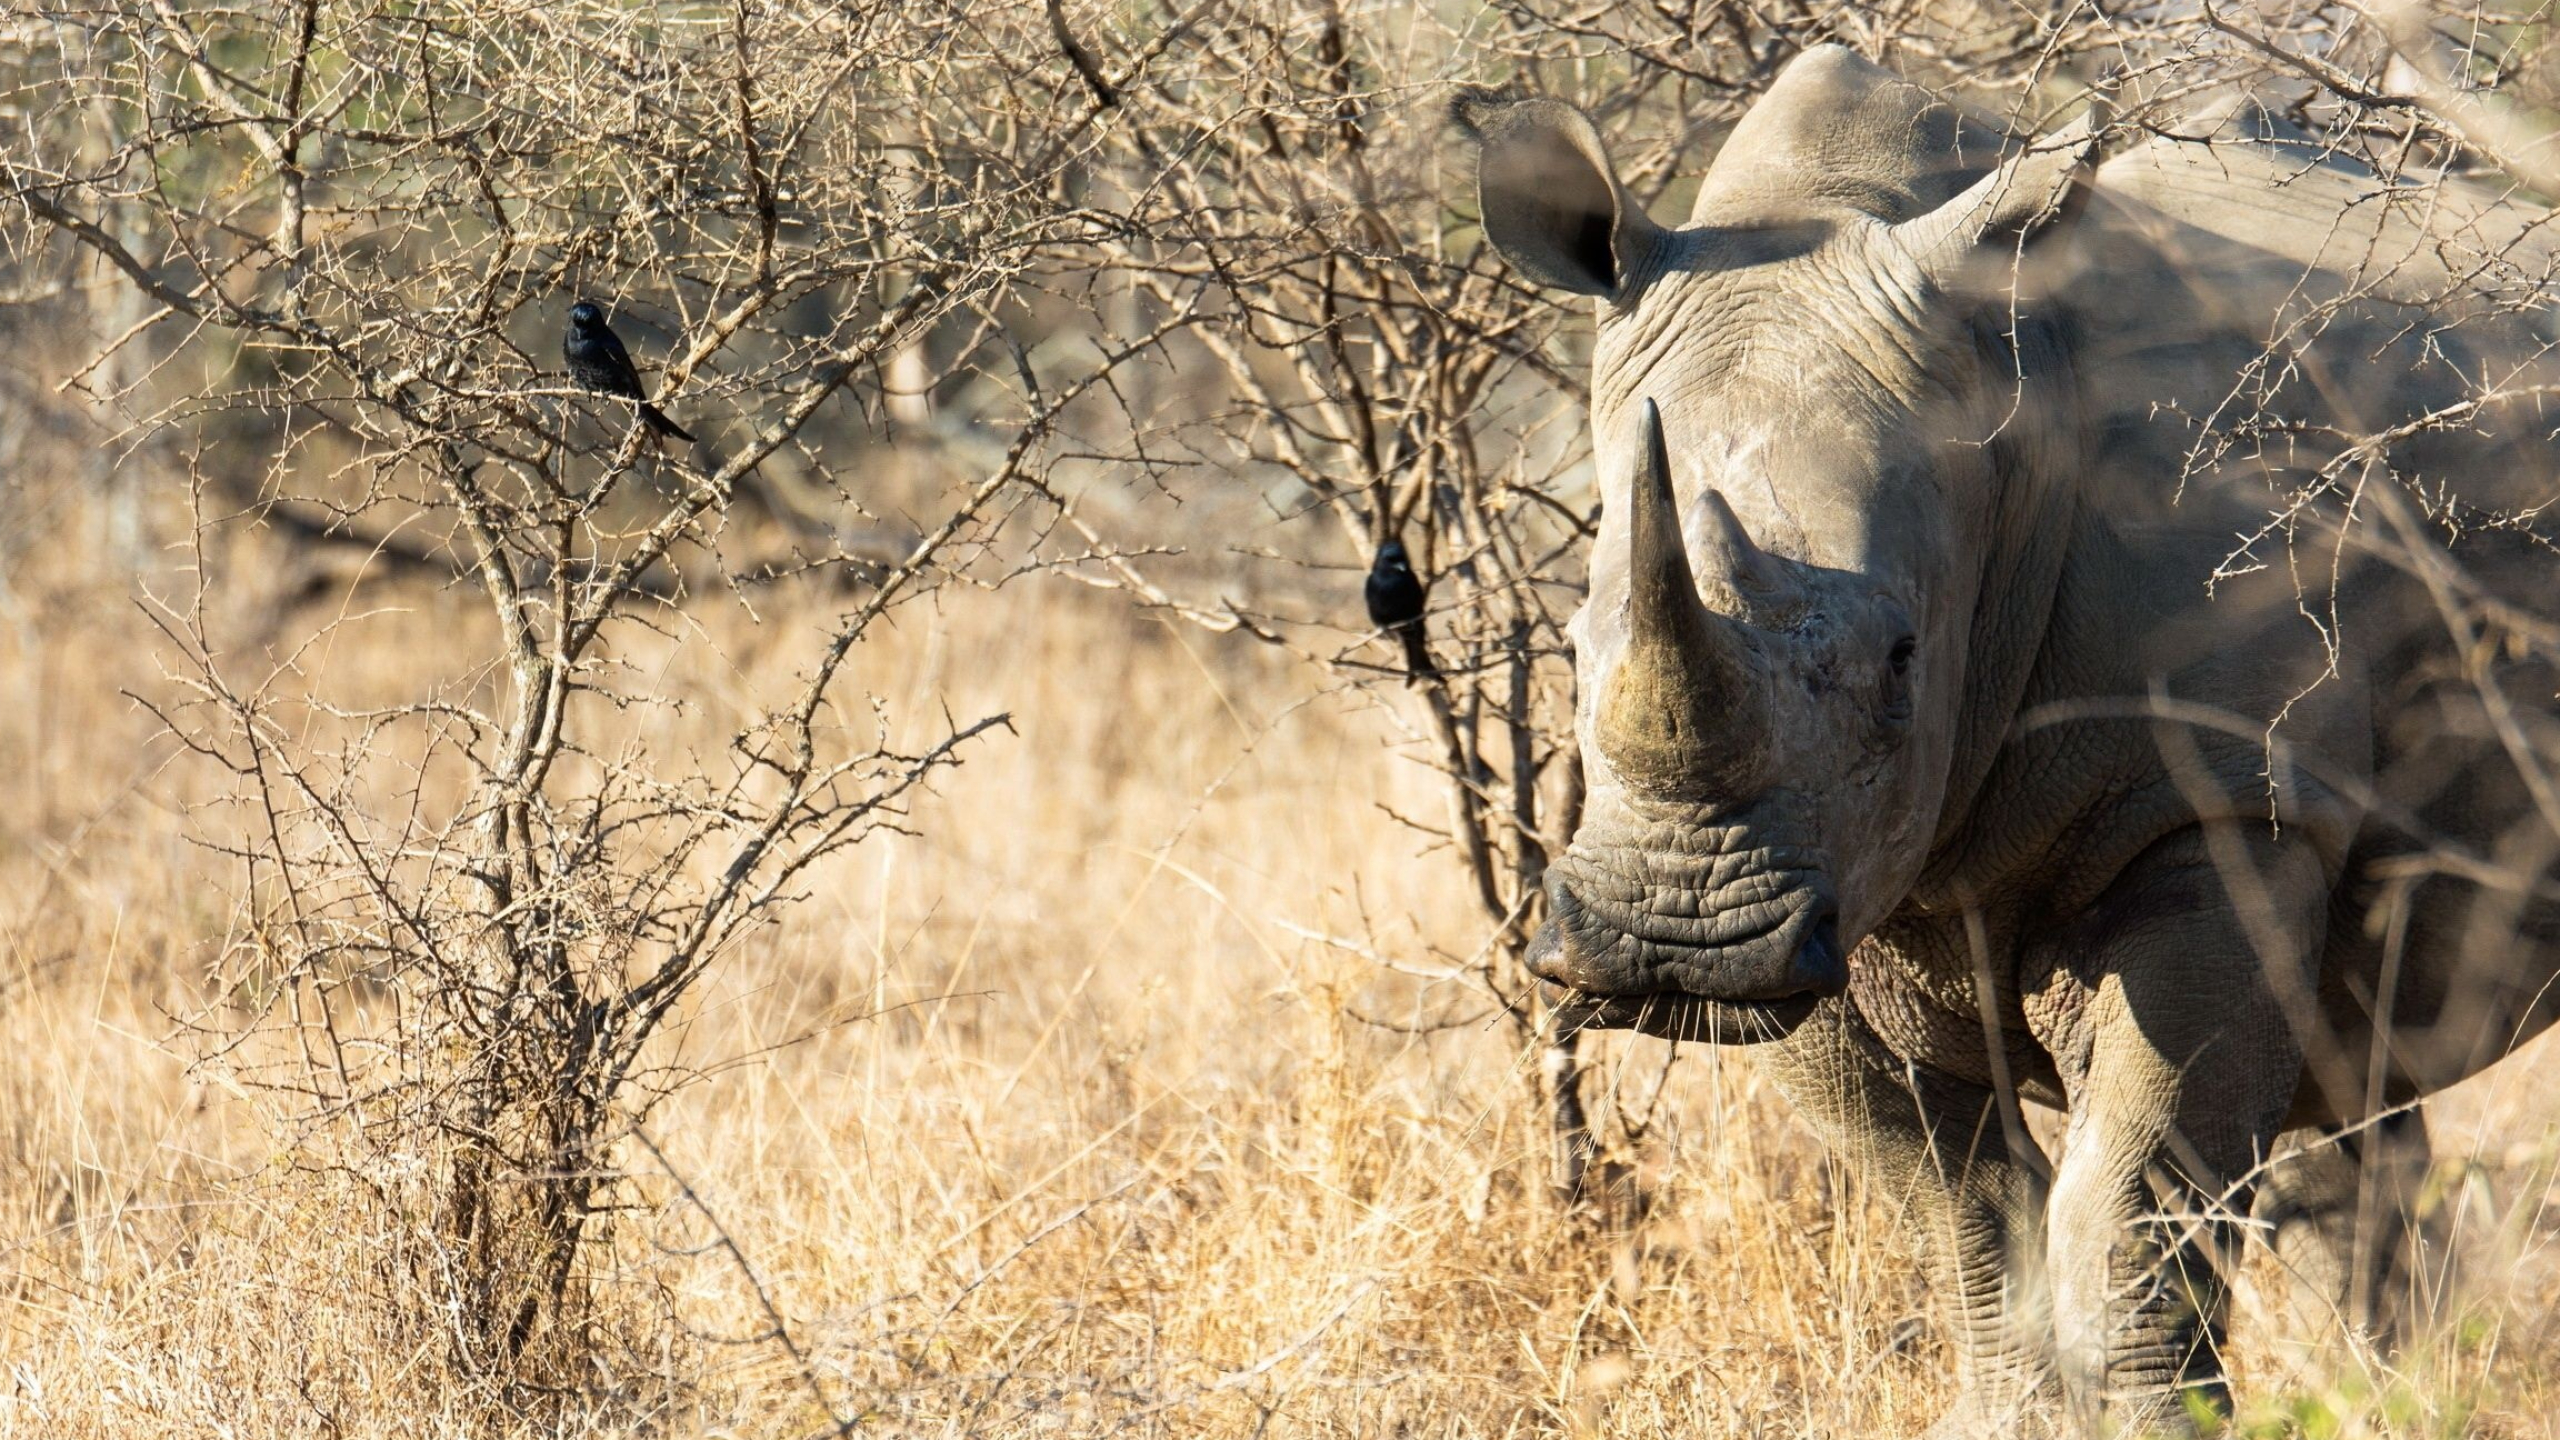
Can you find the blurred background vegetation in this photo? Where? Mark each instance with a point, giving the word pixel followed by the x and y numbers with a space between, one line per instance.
pixel 930 910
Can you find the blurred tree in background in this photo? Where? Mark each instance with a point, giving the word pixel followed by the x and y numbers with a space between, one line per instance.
pixel 1190 297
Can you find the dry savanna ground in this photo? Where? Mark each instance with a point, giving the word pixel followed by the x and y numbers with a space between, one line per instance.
pixel 1115 1096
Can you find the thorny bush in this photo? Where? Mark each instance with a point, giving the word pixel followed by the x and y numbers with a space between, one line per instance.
pixel 1111 258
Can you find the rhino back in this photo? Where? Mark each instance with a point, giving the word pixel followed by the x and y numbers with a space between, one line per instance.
pixel 2247 313
pixel 2321 411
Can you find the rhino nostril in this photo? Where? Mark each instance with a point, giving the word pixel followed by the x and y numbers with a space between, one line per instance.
pixel 1545 955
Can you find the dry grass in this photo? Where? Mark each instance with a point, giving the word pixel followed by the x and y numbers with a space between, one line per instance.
pixel 1049 1119
pixel 1108 1100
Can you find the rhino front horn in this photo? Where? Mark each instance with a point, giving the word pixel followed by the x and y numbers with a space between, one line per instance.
pixel 1681 717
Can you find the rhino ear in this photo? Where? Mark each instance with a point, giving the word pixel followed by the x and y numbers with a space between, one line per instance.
pixel 1551 202
pixel 2029 196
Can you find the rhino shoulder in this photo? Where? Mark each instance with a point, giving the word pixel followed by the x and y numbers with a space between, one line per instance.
pixel 2314 213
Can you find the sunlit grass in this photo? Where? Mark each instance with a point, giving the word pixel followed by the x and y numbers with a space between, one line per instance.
pixel 1048 1119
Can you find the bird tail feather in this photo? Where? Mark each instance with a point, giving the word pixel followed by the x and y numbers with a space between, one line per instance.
pixel 1417 656
pixel 659 422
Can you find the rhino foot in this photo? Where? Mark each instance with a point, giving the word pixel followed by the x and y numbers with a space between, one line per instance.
pixel 1981 1415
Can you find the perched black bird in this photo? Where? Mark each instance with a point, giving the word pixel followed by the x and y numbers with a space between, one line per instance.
pixel 598 361
pixel 1395 605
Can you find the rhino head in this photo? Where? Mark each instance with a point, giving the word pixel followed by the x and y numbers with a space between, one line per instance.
pixel 1805 432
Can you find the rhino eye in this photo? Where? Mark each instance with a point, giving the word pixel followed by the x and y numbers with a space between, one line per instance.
pixel 1900 659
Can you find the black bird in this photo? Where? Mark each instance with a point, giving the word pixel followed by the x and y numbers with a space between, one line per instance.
pixel 598 362
pixel 1395 597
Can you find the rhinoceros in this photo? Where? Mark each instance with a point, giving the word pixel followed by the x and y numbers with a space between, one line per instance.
pixel 2071 622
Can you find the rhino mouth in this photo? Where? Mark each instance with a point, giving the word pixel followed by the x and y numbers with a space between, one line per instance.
pixel 1819 971
pixel 1670 1016
pixel 1737 955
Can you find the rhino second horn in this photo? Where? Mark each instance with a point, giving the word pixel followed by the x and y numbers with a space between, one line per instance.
pixel 1754 573
pixel 1680 716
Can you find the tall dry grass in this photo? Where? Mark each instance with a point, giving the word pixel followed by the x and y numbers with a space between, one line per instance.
pixel 1116 1098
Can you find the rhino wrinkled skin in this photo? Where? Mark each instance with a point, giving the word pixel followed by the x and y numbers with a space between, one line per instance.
pixel 1955 719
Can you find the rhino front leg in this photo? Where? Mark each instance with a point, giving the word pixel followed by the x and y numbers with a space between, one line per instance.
pixel 1971 1196
pixel 2190 1067
pixel 2139 1294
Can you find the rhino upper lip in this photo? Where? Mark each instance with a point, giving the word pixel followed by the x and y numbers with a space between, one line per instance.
pixel 1812 923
